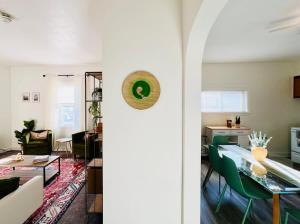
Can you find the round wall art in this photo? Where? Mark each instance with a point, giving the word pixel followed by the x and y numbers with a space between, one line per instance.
pixel 141 90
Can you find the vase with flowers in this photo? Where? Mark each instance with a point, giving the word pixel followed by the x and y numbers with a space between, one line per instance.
pixel 259 143
pixel 237 121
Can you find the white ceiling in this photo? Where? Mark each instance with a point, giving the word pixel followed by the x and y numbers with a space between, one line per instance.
pixel 240 33
pixel 51 32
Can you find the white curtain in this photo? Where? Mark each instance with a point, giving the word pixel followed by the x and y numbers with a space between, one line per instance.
pixel 65 108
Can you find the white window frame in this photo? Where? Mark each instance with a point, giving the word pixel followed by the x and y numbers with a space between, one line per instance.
pixel 75 105
pixel 221 111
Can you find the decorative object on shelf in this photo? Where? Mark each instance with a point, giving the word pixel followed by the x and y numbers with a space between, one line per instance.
pixel 99 127
pixel 95 110
pixel 36 97
pixel 21 135
pixel 229 123
pixel 141 90
pixel 97 93
pixel 26 97
pixel 237 121
pixel 259 144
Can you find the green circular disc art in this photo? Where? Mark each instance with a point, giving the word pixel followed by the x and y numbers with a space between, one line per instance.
pixel 141 90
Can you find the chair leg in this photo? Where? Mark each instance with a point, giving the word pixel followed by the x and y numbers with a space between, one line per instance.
pixel 247 210
pixel 286 220
pixel 208 174
pixel 221 198
pixel 251 213
pixel 219 183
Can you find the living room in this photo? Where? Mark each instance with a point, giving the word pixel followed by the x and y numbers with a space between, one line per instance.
pixel 48 111
pixel 16 81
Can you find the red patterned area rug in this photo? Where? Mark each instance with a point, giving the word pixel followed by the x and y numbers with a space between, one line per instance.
pixel 60 193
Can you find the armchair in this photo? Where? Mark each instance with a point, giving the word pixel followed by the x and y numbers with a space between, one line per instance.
pixel 37 147
pixel 78 145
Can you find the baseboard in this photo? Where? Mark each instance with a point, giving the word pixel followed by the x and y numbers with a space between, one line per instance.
pixel 280 154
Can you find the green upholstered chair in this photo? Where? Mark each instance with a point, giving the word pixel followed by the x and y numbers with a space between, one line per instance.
pixel 78 145
pixel 214 158
pixel 38 147
pixel 243 185
pixel 295 213
pixel 215 164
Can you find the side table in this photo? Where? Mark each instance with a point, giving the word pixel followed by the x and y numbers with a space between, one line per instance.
pixel 65 141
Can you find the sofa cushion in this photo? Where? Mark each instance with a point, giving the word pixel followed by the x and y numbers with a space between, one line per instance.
pixel 8 185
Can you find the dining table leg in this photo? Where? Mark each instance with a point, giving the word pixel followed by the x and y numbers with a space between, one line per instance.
pixel 276 209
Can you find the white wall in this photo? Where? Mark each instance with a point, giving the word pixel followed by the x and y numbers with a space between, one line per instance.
pixel 272 108
pixel 29 79
pixel 297 66
pixel 190 9
pixel 142 149
pixel 5 130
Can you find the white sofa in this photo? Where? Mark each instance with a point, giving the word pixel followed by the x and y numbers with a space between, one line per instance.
pixel 19 205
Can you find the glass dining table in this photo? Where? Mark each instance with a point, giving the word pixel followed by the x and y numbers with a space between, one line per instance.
pixel 275 177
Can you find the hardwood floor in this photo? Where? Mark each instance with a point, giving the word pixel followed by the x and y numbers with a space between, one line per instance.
pixel 76 212
pixel 234 205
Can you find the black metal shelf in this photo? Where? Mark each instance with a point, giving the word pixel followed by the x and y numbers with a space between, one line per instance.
pixel 93 84
pixel 91 101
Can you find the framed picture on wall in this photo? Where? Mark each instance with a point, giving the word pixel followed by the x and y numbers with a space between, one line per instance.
pixel 26 97
pixel 36 97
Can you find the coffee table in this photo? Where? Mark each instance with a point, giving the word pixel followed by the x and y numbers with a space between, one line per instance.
pixel 48 174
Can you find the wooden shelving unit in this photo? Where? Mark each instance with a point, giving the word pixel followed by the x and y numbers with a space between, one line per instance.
pixel 93 127
pixel 95 185
pixel 97 204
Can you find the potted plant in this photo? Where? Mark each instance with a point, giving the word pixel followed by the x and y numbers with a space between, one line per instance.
pixel 97 94
pixel 237 121
pixel 259 145
pixel 95 109
pixel 21 135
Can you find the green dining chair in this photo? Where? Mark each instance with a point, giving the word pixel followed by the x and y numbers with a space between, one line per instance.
pixel 215 165
pixel 241 184
pixel 214 158
pixel 295 213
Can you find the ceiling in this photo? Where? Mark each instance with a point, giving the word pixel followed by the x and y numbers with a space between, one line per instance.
pixel 241 33
pixel 50 32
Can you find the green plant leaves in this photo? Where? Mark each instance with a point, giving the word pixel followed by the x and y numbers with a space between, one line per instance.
pixel 21 136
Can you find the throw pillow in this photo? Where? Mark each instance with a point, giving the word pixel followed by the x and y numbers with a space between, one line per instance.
pixel 8 185
pixel 38 136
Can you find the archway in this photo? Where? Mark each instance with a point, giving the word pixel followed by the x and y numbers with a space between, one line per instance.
pixel 203 22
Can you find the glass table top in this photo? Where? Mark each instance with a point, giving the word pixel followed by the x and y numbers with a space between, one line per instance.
pixel 273 176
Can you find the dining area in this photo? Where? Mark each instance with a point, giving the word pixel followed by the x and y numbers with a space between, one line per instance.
pixel 241 185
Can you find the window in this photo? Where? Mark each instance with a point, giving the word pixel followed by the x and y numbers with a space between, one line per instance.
pixel 67 108
pixel 224 101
